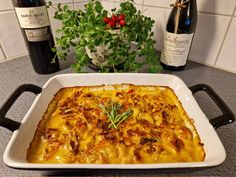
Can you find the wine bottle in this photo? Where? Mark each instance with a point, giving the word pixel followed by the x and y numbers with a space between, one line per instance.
pixel 34 22
pixel 179 34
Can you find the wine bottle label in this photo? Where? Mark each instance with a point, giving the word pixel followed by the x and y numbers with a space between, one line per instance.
pixel 32 17
pixel 35 35
pixel 176 48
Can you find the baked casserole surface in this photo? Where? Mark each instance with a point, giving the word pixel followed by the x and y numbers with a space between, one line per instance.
pixel 115 124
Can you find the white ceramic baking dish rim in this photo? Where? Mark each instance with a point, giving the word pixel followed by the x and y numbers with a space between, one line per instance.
pixel 14 155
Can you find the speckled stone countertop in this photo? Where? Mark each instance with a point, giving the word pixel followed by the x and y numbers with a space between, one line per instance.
pixel 19 71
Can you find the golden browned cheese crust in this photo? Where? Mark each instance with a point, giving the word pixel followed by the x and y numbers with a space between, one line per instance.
pixel 75 129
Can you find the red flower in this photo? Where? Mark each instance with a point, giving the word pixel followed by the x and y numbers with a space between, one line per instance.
pixel 106 20
pixel 121 17
pixel 114 17
pixel 112 24
pixel 122 22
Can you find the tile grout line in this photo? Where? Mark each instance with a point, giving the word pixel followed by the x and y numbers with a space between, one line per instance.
pixel 3 52
pixel 15 57
pixel 142 6
pixel 225 35
pixel 73 2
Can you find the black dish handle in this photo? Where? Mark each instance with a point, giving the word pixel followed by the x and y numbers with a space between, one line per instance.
pixel 6 122
pixel 227 117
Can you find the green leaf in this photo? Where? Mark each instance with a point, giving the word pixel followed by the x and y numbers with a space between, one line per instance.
pixel 155 68
pixel 59 7
pixel 65 7
pixel 98 7
pixel 49 3
pixel 54 49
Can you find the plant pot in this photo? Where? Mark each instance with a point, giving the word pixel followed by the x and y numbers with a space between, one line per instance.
pixel 100 54
pixel 111 69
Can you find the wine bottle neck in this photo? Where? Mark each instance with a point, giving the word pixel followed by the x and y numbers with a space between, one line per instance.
pixel 181 3
pixel 182 8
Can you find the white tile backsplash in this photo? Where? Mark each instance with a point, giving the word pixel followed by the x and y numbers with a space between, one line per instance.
pixel 6 5
pixel 217 6
pixel 210 45
pixel 59 1
pixel 138 1
pixel 80 1
pixel 80 5
pixel 159 3
pixel 11 36
pixel 210 6
pixel 227 57
pixel 160 16
pixel 208 38
pixel 108 5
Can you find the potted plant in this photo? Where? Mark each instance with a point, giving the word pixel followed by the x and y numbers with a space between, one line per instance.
pixel 107 41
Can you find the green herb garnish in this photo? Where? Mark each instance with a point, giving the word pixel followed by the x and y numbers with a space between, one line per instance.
pixel 114 115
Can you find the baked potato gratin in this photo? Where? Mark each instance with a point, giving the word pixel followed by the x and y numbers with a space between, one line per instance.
pixel 115 124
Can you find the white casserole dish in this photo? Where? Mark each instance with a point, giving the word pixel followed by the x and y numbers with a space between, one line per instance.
pixel 15 152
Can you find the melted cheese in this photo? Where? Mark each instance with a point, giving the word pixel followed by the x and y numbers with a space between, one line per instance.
pixel 74 129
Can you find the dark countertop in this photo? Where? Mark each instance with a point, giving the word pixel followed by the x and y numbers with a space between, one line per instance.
pixel 19 71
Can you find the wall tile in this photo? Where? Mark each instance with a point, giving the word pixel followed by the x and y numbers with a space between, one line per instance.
pixel 227 57
pixel 212 6
pixel 135 1
pixel 209 35
pixel 81 1
pixel 217 6
pixel 138 1
pixel 160 16
pixel 6 5
pixel 117 3
pixel 60 1
pixel 10 35
pixel 159 3
pixel 108 5
pixel 1 55
pixel 80 5
pixel 139 7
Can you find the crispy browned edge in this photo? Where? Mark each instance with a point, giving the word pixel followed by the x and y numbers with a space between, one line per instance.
pixel 191 121
pixel 60 92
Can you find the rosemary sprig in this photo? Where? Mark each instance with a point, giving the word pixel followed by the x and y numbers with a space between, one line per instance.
pixel 113 114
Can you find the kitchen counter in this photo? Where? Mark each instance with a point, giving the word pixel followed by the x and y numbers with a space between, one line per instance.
pixel 19 71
